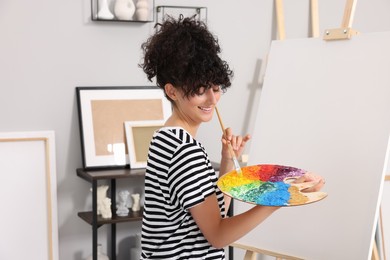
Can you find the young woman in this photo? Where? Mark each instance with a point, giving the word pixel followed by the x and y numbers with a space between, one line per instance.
pixel 185 214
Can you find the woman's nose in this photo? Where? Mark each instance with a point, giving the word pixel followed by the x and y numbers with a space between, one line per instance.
pixel 212 95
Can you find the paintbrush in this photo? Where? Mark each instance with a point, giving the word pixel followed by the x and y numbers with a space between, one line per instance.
pixel 233 155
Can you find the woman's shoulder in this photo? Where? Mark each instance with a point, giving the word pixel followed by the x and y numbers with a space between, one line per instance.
pixel 176 133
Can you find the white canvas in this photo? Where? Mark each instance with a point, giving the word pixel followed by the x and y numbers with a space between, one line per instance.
pixel 28 221
pixel 325 108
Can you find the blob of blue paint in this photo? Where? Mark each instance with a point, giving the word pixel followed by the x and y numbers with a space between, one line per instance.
pixel 277 197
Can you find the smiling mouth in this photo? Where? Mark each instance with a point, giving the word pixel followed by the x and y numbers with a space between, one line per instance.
pixel 207 109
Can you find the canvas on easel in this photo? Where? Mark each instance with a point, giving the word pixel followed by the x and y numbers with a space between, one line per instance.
pixel 325 107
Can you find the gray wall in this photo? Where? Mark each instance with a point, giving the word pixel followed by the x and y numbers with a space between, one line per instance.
pixel 47 48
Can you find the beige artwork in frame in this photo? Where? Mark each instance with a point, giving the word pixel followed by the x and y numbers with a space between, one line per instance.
pixel 138 136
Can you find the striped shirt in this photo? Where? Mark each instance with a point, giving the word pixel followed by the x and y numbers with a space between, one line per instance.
pixel 178 176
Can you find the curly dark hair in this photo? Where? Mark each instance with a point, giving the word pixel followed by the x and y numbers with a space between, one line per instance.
pixel 184 52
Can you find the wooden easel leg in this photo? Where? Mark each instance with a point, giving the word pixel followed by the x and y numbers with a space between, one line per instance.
pixel 280 19
pixel 281 24
pixel 315 24
pixel 375 254
pixel 250 255
pixel 349 13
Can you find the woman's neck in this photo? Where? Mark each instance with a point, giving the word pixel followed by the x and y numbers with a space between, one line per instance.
pixel 175 121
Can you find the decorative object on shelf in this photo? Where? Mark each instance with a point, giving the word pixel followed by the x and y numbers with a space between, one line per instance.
pixel 106 208
pixel 102 113
pixel 142 11
pixel 100 254
pixel 122 209
pixel 187 11
pixel 136 204
pixel 138 136
pixel 124 9
pixel 104 12
pixel 101 196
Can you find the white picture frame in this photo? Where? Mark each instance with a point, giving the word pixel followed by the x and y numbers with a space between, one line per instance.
pixel 102 112
pixel 138 136
pixel 28 171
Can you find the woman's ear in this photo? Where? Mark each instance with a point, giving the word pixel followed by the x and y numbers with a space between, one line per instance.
pixel 171 91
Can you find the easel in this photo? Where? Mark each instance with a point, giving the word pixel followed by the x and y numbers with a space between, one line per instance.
pixel 345 32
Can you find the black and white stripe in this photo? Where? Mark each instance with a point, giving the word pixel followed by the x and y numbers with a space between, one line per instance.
pixel 178 176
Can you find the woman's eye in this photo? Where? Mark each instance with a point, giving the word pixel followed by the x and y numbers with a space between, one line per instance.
pixel 216 89
pixel 201 91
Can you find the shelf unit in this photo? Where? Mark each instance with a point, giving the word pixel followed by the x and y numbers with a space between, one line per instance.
pixel 91 217
pixel 93 176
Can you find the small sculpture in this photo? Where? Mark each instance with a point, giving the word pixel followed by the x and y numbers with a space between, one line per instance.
pixel 124 9
pixel 142 10
pixel 122 209
pixel 106 208
pixel 104 12
pixel 136 205
pixel 101 196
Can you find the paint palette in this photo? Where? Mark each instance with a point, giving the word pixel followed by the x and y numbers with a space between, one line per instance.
pixel 268 185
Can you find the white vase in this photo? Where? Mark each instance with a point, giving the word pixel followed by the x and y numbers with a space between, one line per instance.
pixel 104 12
pixel 142 10
pixel 100 254
pixel 124 9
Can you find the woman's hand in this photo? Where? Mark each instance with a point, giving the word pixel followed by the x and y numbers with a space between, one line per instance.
pixel 238 143
pixel 311 177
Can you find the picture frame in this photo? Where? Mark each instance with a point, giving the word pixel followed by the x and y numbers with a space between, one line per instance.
pixel 102 112
pixel 138 136
pixel 28 167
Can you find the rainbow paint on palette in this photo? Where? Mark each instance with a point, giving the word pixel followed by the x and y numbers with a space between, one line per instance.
pixel 265 184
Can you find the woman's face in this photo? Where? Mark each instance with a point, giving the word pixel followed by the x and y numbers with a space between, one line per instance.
pixel 200 107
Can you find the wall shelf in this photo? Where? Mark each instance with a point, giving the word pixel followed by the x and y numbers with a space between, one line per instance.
pixel 132 216
pixel 163 11
pixel 104 11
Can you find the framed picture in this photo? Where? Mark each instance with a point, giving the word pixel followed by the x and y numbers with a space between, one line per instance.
pixel 138 136
pixel 28 169
pixel 102 113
